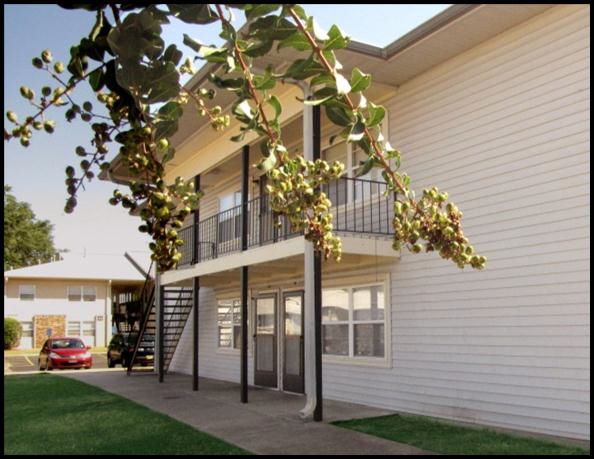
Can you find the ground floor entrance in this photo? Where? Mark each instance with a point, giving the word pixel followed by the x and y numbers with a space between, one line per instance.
pixel 278 340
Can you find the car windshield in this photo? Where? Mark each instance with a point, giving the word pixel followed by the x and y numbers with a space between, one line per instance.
pixel 68 344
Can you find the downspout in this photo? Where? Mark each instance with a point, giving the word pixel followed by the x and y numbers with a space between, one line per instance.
pixel 309 336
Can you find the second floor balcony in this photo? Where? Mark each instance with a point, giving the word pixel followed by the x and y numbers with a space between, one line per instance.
pixel 359 207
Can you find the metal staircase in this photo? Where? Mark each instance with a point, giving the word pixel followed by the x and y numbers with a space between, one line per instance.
pixel 177 305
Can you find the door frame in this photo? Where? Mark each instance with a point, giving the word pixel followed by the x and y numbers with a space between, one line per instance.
pixel 282 351
pixel 268 379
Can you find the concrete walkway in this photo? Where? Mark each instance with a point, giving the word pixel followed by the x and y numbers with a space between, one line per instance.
pixel 268 424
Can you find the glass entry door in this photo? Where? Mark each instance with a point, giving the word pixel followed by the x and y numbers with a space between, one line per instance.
pixel 265 342
pixel 293 364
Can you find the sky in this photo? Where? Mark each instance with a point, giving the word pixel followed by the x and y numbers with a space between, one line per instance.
pixel 36 174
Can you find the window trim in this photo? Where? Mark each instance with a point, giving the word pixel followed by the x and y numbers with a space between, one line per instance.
pixel 81 289
pixel 352 359
pixel 230 349
pixel 21 292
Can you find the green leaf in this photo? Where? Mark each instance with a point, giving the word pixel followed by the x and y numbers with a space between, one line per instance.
pixel 376 114
pixel 262 9
pixel 96 79
pixel 323 79
pixel 339 114
pixel 244 109
pixel 194 44
pixel 297 41
pixel 359 80
pixel 357 131
pixel 266 81
pixel 172 54
pixel 193 13
pixel 275 102
pixel 171 111
pixel 314 102
pixel 301 69
pixel 213 54
pixel 365 167
pixel 267 163
pixel 336 40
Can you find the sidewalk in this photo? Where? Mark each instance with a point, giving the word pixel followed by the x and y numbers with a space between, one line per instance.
pixel 268 424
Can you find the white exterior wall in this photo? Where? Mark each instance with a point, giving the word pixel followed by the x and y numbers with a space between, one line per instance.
pixel 504 128
pixel 51 298
pixel 216 363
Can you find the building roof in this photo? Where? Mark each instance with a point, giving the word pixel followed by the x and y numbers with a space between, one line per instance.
pixel 91 267
pixel 453 31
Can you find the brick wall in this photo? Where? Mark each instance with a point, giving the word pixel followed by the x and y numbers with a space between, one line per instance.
pixel 42 323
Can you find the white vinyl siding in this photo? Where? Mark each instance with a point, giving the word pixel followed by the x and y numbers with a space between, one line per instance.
pixel 214 362
pixel 504 128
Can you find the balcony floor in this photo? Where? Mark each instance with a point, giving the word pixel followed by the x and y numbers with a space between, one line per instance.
pixel 284 260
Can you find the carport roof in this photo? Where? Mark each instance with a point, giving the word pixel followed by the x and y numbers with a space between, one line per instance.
pixel 96 267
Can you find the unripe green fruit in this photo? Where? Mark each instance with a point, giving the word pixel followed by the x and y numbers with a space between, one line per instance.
pixel 417 248
pixel 59 67
pixel 46 55
pixel 163 144
pixel 37 63
pixel 12 116
pixel 27 93
pixel 162 212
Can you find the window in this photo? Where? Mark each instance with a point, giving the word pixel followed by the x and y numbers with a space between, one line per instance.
pixel 82 293
pixel 27 329
pixel 89 293
pixel 88 328
pixel 74 293
pixel 353 321
pixel 363 188
pixel 229 323
pixel 27 292
pixel 230 216
pixel 74 328
pixel 343 191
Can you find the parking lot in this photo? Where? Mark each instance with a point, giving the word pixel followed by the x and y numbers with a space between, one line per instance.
pixel 28 363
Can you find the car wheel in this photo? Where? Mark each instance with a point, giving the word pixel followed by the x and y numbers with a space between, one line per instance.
pixel 110 362
pixel 47 366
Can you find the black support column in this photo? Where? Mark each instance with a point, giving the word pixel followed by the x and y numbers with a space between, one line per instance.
pixel 245 160
pixel 196 288
pixel 196 298
pixel 161 334
pixel 318 411
pixel 195 226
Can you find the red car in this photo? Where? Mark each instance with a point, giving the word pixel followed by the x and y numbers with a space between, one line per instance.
pixel 64 353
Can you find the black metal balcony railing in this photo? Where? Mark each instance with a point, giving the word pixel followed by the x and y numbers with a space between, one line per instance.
pixel 358 206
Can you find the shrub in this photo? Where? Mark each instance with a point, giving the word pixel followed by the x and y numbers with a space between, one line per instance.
pixel 12 332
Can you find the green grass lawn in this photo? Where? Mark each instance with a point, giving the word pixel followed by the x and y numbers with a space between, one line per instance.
pixel 48 414
pixel 444 438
